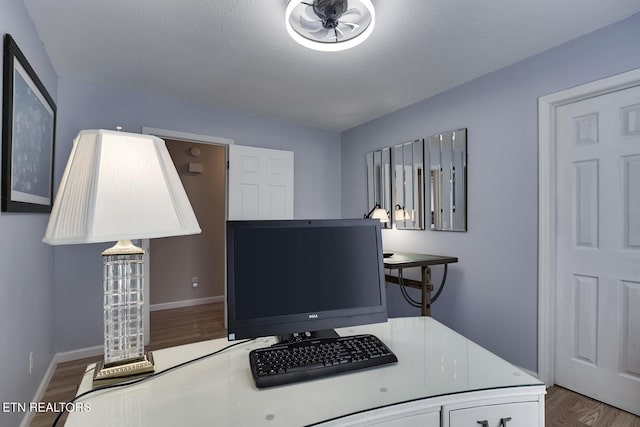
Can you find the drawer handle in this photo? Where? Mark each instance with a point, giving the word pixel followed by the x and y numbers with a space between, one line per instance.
pixel 503 422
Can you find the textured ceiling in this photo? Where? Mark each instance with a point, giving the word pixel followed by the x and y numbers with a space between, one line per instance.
pixel 236 54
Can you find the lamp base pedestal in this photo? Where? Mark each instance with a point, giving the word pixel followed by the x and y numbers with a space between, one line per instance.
pixel 125 370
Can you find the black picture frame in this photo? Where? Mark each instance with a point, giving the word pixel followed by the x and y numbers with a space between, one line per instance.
pixel 28 135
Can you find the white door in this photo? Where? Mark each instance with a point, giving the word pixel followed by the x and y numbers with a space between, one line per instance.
pixel 260 183
pixel 598 248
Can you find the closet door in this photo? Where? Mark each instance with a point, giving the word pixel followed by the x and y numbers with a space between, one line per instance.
pixel 598 248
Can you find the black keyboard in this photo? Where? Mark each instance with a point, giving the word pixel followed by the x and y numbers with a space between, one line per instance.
pixel 316 358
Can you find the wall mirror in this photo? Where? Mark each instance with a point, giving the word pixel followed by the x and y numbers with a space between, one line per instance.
pixel 379 181
pixel 408 195
pixel 448 180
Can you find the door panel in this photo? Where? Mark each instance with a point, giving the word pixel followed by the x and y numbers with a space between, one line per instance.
pixel 631 201
pixel 630 357
pixel 598 248
pixel 260 183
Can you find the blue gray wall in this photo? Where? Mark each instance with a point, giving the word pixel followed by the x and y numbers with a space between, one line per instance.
pixel 26 264
pixel 491 294
pixel 78 269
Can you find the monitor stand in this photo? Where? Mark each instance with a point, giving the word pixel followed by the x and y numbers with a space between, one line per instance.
pixel 302 336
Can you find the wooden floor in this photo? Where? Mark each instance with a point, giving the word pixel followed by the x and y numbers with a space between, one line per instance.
pixel 566 408
pixel 169 328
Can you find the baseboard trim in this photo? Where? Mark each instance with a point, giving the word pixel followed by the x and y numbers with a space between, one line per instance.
pixel 55 360
pixel 42 388
pixel 82 353
pixel 185 303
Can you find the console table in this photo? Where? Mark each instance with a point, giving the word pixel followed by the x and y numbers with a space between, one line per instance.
pixel 401 260
pixel 441 379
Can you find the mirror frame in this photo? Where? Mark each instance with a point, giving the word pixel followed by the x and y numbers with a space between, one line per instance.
pixel 408 191
pixel 448 180
pixel 397 180
pixel 379 181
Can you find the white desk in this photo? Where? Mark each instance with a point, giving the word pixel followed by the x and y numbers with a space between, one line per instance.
pixel 441 379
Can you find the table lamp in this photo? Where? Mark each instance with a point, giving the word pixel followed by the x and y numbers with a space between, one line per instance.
pixel 401 214
pixel 377 212
pixel 120 186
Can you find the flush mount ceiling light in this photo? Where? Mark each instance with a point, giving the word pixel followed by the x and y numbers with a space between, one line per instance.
pixel 330 25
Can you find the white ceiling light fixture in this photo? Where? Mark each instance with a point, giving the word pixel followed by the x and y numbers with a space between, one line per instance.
pixel 330 25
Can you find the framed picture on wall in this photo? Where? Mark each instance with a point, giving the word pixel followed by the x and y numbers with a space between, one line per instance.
pixel 28 135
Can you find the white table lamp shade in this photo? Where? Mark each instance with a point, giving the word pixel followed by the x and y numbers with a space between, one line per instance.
pixel 119 186
pixel 380 214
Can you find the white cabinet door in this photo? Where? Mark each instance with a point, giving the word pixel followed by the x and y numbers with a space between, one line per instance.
pixel 260 183
pixel 524 414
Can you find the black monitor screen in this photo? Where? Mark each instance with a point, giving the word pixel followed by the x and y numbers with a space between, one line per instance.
pixel 303 275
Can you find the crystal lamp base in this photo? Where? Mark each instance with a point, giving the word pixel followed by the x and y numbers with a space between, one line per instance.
pixel 124 356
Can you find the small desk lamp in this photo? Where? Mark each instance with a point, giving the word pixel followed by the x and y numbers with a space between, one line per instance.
pixel 401 214
pixel 378 213
pixel 120 186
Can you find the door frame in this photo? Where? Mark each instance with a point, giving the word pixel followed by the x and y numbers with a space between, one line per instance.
pixel 547 181
pixel 187 137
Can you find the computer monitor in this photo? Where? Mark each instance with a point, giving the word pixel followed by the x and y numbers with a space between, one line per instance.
pixel 298 276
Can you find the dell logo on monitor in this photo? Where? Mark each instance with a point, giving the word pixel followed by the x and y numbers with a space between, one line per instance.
pixel 313 316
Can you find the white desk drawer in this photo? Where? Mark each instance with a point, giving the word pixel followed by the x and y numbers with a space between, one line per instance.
pixel 412 414
pixel 523 414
